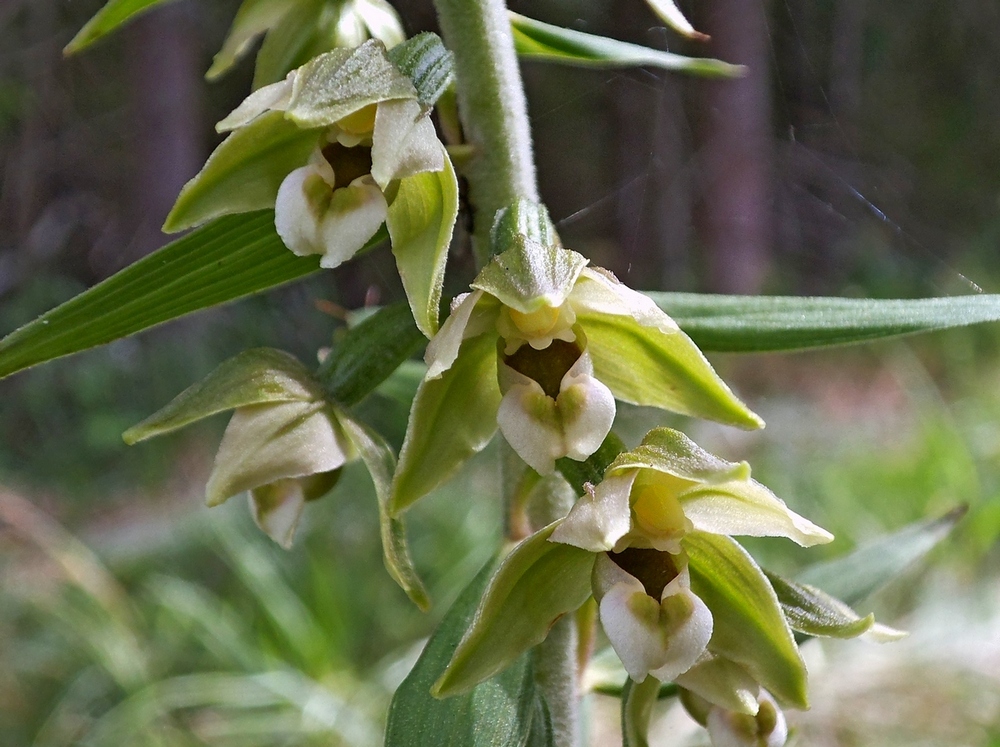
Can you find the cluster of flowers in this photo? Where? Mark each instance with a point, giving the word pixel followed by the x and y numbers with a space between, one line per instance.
pixel 540 348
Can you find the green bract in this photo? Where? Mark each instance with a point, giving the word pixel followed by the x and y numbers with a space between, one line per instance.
pixel 341 146
pixel 565 341
pixel 285 444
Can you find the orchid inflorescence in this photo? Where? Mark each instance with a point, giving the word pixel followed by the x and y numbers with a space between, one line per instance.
pixel 540 347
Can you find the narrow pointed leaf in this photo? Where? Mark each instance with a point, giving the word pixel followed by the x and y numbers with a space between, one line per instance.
pixel 535 585
pixel 453 417
pixel 244 172
pixel 535 40
pixel 381 463
pixel 746 324
pixel 500 711
pixel 369 353
pixel 420 222
pixel 253 377
pixel 638 699
pixel 855 576
pixel 748 624
pixel 814 612
pixel 671 15
pixel 107 19
pixel 227 259
pixel 425 61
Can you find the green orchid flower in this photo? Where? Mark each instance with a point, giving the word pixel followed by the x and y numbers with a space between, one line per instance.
pixel 677 597
pixel 341 146
pixel 285 446
pixel 541 349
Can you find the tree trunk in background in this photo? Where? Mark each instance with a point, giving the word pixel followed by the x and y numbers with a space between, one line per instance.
pixel 736 150
pixel 165 67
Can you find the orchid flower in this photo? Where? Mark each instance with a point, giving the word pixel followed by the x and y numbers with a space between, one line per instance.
pixel 541 349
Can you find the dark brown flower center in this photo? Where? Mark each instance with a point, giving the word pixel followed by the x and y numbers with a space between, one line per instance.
pixel 347 163
pixel 547 366
pixel 654 568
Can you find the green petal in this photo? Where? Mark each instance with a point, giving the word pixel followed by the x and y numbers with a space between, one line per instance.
pixel 424 60
pixel 333 85
pixel 670 451
pixel 381 464
pixel 420 222
pixel 539 582
pixel 252 19
pixel 453 417
pixel 645 365
pixel 750 627
pixel 244 172
pixel 253 377
pixel 638 699
pixel 531 275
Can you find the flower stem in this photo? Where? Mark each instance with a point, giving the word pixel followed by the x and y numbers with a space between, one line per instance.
pixel 492 107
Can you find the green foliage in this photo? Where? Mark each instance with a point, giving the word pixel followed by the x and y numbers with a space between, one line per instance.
pixel 110 17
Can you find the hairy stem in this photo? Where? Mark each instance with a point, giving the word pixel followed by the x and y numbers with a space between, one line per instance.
pixel 492 107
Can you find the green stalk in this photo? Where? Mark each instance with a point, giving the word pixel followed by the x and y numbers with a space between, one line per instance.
pixel 492 107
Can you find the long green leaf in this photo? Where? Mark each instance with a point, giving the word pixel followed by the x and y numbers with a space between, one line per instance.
pixel 229 258
pixel 535 40
pixel 500 711
pixel 107 19
pixel 747 324
pixel 855 576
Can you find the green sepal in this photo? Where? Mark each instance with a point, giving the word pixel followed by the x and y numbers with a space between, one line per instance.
pixel 535 40
pixel 378 458
pixel 814 612
pixel 107 19
pixel 425 61
pixel 638 699
pixel 254 17
pixel 421 219
pixel 305 30
pixel 256 376
pixel 333 85
pixel 453 417
pixel 531 275
pixel 592 469
pixel 506 710
pixel 523 219
pixel 671 452
pixel 858 574
pixel 535 585
pixel 244 172
pixel 647 366
pixel 369 353
pixel 747 324
pixel 748 625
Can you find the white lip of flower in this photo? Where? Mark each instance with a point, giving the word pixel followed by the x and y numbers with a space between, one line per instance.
pixel 660 637
pixel 272 450
pixel 312 214
pixel 541 428
pixel 767 728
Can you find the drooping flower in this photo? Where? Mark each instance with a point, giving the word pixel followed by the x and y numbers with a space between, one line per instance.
pixel 285 446
pixel 341 146
pixel 650 544
pixel 540 349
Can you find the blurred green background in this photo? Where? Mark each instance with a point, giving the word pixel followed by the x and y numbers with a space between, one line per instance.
pixel 860 156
